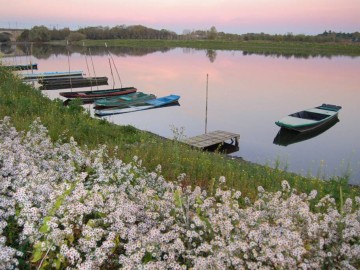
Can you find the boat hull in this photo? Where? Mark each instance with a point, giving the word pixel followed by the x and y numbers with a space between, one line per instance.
pixel 63 83
pixel 22 67
pixel 93 95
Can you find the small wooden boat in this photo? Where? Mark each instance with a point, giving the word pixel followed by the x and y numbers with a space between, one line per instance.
pixel 22 67
pixel 62 83
pixel 285 137
pixel 87 96
pixel 122 101
pixel 37 76
pixel 65 80
pixel 149 104
pixel 310 119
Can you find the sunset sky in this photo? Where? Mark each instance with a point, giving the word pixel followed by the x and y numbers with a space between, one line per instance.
pixel 231 16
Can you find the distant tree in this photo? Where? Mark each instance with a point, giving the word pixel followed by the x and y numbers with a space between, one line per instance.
pixel 76 36
pixel 212 34
pixel 59 34
pixel 39 34
pixel 24 36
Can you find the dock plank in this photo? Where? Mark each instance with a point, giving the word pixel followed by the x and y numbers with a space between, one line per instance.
pixel 212 138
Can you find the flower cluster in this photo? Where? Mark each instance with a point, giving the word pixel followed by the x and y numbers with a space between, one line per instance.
pixel 81 209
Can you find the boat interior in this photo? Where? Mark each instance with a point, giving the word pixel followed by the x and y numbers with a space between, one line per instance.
pixel 309 115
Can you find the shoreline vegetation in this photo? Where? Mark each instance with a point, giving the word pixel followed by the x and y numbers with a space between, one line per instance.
pixel 24 104
pixel 248 47
pixel 328 43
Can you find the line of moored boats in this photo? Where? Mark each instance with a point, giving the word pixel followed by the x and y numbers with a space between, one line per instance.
pixel 106 101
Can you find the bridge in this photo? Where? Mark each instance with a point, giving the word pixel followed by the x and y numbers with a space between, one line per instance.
pixel 7 34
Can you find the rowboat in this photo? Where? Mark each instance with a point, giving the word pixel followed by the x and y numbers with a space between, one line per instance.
pixel 56 74
pixel 22 67
pixel 149 104
pixel 87 96
pixel 310 119
pixel 285 137
pixel 61 83
pixel 122 101
pixel 65 80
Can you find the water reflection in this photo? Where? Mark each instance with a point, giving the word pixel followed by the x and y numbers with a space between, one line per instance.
pixel 225 148
pixel 286 137
pixel 298 55
pixel 44 51
pixel 211 54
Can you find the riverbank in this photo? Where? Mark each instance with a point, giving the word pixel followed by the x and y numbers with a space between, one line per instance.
pixel 257 47
pixel 67 207
pixel 24 104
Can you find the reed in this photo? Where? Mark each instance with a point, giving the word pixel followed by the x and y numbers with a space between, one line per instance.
pixel 24 104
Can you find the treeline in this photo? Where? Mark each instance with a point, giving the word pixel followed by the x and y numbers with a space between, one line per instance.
pixel 44 34
pixel 326 36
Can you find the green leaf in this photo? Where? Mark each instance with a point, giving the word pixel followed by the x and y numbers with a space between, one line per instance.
pixel 45 227
pixel 37 255
pixel 57 263
pixel 177 198
pixel 147 257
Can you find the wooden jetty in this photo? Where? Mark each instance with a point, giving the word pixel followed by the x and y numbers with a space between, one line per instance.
pixel 212 138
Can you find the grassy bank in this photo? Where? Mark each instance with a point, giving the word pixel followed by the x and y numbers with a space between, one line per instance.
pixel 24 104
pixel 259 47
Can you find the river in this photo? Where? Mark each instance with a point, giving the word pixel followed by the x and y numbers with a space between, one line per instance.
pixel 247 93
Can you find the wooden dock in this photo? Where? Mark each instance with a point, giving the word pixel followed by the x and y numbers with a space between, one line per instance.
pixel 212 138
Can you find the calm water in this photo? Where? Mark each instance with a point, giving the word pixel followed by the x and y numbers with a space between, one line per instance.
pixel 246 95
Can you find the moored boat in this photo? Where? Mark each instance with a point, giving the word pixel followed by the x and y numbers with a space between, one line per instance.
pixel 310 119
pixel 149 104
pixel 93 95
pixel 22 67
pixel 62 83
pixel 56 74
pixel 122 101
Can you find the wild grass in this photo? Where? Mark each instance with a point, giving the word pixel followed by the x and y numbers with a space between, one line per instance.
pixel 24 104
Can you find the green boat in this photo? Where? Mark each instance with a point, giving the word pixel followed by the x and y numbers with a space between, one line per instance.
pixel 145 105
pixel 122 101
pixel 310 119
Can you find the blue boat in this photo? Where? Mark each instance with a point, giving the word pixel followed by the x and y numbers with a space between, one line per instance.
pixel 149 104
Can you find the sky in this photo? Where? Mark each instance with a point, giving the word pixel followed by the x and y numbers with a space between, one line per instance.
pixel 230 16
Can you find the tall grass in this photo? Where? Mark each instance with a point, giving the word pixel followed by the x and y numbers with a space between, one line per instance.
pixel 24 104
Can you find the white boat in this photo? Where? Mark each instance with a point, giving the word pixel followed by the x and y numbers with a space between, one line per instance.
pixel 56 74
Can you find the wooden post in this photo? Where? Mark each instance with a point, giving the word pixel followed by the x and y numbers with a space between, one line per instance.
pixel 207 83
pixel 67 46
